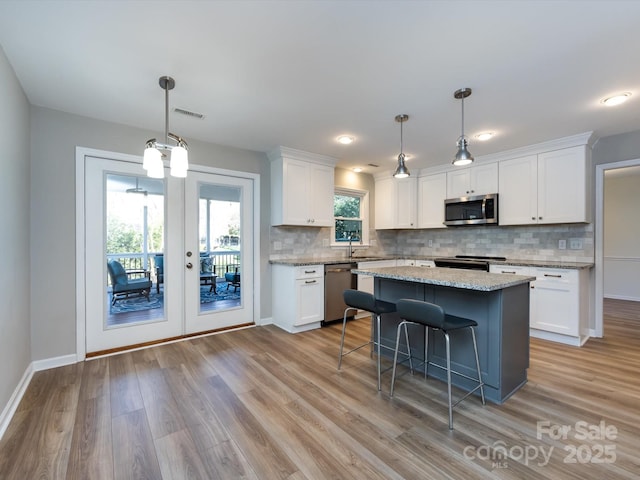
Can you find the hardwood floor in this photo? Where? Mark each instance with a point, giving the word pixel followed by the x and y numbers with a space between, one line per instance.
pixel 263 404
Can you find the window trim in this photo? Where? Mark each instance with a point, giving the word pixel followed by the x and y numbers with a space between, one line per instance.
pixel 364 216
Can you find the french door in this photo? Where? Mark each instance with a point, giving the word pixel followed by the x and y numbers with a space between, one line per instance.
pixel 164 257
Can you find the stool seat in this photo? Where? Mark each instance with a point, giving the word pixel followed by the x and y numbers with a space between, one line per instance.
pixel 358 300
pixel 366 301
pixel 434 317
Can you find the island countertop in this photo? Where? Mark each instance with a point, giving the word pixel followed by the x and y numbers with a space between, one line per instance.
pixel 448 277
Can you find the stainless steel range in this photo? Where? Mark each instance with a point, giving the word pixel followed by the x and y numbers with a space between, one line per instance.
pixel 469 262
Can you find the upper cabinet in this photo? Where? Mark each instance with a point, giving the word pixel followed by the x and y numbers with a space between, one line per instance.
pixel 396 203
pixel 476 180
pixel 302 188
pixel 432 192
pixel 550 187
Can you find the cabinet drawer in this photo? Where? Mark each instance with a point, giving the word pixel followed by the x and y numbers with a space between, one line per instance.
pixel 557 276
pixel 309 271
pixel 510 269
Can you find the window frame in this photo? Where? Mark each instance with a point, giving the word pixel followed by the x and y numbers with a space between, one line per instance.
pixel 364 216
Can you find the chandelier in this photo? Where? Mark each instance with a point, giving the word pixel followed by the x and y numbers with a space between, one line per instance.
pixel 152 161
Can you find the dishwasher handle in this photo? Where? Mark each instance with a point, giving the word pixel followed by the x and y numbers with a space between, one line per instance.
pixel 337 270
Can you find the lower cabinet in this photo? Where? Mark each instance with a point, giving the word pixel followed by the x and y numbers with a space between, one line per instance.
pixel 559 305
pixel 298 300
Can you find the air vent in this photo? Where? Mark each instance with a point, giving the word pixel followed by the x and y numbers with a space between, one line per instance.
pixel 199 116
pixel 373 165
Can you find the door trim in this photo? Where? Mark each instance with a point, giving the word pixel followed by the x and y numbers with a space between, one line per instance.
pixel 81 154
pixel 598 303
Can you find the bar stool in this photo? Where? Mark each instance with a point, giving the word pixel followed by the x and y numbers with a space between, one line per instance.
pixel 432 316
pixel 357 300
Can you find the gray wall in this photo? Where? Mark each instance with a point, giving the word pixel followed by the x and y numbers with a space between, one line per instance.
pixel 55 136
pixel 15 343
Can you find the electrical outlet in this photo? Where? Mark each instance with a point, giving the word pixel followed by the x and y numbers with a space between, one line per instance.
pixel 575 244
pixel 430 243
pixel 562 244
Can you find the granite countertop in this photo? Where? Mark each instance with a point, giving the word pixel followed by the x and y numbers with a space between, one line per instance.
pixel 299 262
pixel 449 277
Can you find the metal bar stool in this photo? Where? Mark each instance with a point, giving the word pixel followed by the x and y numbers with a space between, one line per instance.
pixel 433 316
pixel 357 300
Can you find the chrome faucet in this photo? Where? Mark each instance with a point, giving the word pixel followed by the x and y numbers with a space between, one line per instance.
pixel 350 249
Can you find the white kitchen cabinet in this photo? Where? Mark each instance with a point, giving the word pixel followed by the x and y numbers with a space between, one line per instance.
pixel 432 192
pixel 558 305
pixel 298 300
pixel 396 202
pixel 476 180
pixel 546 188
pixel 301 190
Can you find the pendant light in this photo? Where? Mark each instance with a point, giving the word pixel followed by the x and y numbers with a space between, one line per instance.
pixel 401 170
pixel 152 162
pixel 463 157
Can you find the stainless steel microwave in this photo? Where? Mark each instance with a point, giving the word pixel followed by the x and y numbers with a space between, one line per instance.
pixel 475 210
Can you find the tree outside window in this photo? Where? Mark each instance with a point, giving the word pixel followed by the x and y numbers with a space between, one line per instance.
pixel 349 210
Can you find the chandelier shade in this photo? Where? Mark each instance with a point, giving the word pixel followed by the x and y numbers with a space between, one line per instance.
pixel 462 156
pixel 152 160
pixel 401 170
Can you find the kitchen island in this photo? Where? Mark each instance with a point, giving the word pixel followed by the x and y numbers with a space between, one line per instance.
pixel 500 305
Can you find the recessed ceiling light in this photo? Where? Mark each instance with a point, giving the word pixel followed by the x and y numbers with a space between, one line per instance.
pixel 357 169
pixel 484 136
pixel 616 99
pixel 345 139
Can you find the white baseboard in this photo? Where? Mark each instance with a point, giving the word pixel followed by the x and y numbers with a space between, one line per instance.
pixel 48 363
pixel 14 401
pixel 266 321
pixel 18 393
pixel 622 297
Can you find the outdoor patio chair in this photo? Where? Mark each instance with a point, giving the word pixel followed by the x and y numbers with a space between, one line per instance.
pixel 123 286
pixel 233 277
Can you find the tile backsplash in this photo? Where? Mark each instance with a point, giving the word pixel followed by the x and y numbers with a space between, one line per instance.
pixel 531 242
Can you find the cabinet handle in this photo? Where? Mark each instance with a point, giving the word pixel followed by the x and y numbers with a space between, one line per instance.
pixel 552 276
pixel 533 218
pixel 309 271
pixel 539 218
pixel 504 271
pixel 310 281
pixel 532 287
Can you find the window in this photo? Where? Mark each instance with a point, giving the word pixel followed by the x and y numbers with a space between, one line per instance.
pixel 351 213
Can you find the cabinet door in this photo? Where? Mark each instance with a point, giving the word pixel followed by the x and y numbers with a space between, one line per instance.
pixel 405 202
pixel 554 302
pixel 562 183
pixel 295 193
pixel 518 191
pixel 432 191
pixel 384 203
pixel 320 195
pixel 484 179
pixel 310 301
pixel 458 183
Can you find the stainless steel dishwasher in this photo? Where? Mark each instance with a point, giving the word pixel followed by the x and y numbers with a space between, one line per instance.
pixel 337 279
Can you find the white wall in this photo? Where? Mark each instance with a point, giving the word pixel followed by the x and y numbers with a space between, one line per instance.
pixel 15 346
pixel 55 136
pixel 622 234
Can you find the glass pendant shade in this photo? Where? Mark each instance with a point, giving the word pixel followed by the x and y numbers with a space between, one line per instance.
pixel 401 170
pixel 155 167
pixel 179 162
pixel 151 155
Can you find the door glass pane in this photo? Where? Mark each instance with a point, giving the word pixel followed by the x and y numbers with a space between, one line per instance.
pixel 219 235
pixel 134 248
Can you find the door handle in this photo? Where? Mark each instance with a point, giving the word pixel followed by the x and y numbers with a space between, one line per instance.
pixel 189 265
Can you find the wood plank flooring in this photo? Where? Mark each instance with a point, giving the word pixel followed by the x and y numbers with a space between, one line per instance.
pixel 263 404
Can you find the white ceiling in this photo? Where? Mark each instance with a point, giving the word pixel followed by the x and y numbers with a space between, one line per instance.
pixel 299 73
